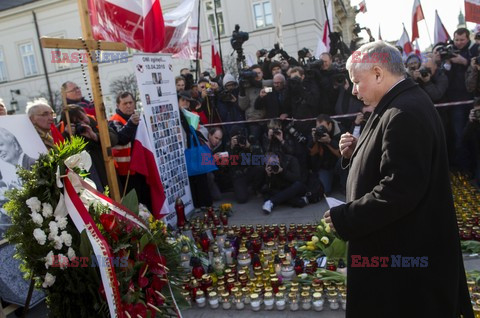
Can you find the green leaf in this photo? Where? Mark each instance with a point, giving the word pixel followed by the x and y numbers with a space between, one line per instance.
pixel 144 241
pixel 336 250
pixel 85 246
pixel 470 246
pixel 130 201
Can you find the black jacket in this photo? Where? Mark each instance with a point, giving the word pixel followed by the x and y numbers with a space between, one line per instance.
pixel 289 175
pixel 457 90
pixel 126 133
pixel 273 103
pixel 399 203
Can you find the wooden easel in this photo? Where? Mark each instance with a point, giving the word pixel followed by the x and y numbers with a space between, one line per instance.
pixel 90 44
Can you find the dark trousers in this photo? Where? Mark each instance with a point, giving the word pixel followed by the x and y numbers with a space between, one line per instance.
pixel 138 183
pixel 253 176
pixel 200 192
pixel 288 195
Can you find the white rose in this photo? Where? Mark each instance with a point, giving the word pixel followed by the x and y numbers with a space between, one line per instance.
pixel 66 238
pixel 34 204
pixel 49 259
pixel 62 261
pixel 57 240
pixel 37 218
pixel 71 253
pixel 40 236
pixel 81 160
pixel 62 223
pixel 53 226
pixel 48 281
pixel 47 210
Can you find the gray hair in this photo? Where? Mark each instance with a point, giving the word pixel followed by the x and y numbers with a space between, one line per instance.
pixel 281 76
pixel 32 106
pixel 377 53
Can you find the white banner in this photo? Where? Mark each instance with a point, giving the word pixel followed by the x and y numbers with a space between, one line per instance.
pixel 156 84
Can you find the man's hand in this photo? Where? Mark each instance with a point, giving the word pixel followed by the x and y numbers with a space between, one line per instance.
pixel 416 75
pixel 328 220
pixel 283 116
pixel 471 115
pixel 458 59
pixel 135 118
pixel 280 169
pixel 262 93
pixel 279 135
pixel 347 145
pixel 268 170
pixel 233 141
pixel 473 63
pixel 427 78
pixel 325 139
pixel 359 119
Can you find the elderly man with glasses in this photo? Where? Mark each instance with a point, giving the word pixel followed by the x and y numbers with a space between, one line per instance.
pixel 74 96
pixel 42 117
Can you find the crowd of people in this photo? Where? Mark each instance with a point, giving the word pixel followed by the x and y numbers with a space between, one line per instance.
pixel 284 111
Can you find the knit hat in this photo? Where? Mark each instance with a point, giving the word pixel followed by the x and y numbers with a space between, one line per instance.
pixel 228 78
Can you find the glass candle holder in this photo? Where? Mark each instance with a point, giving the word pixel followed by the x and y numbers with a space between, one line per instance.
pixel 280 301
pixel 243 258
pixel 317 302
pixel 200 299
pixel 287 270
pixel 187 297
pixel 226 304
pixel 246 295
pixel 238 301
pixel 255 302
pixel 213 300
pixel 333 300
pixel 268 301
pixel 344 300
pixel 306 300
pixel 292 298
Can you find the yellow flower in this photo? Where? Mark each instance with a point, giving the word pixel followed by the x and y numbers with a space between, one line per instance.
pixel 320 228
pixel 302 248
pixel 311 247
pixel 314 239
pixel 324 240
pixel 327 228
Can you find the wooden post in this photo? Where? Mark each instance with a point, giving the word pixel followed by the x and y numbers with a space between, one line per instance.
pixel 90 44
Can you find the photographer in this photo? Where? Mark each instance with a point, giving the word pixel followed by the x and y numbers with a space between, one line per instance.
pixel 228 108
pixel 241 170
pixel 472 79
pixel 185 73
pixel 276 140
pixel 283 183
pixel 472 139
pixel 272 101
pixel 412 64
pixel 432 79
pixel 250 84
pixel 361 120
pixel 207 91
pixel 329 82
pixel 457 91
pixel 84 125
pixel 324 152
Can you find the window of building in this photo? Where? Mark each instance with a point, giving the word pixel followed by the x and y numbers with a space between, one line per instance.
pixel 262 13
pixel 212 22
pixel 3 67
pixel 60 58
pixel 28 59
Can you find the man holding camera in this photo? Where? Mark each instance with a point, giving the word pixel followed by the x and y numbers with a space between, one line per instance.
pixel 272 101
pixel 228 108
pixel 432 79
pixel 250 84
pixel 457 91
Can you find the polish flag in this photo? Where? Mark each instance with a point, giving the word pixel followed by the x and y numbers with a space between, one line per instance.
pixel 143 162
pixel 362 7
pixel 418 52
pixel 137 23
pixel 216 60
pixel 56 135
pixel 323 44
pixel 417 16
pixel 441 34
pixel 405 44
pixel 379 34
pixel 472 11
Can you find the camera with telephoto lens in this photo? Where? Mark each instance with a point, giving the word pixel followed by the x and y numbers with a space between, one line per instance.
pixel 262 52
pixel 238 38
pixel 295 133
pixel 320 132
pixel 242 140
pixel 303 53
pixel 425 71
pixel 447 52
pixel 79 129
pixel 277 131
pixel 275 168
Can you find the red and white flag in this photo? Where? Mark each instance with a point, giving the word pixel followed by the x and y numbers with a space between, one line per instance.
pixel 362 7
pixel 137 23
pixel 216 60
pixel 143 162
pixel 379 34
pixel 418 52
pixel 472 11
pixel 404 43
pixel 181 29
pixel 417 16
pixel 441 34
pixel 323 44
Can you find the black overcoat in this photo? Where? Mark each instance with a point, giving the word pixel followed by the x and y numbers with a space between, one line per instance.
pixel 400 206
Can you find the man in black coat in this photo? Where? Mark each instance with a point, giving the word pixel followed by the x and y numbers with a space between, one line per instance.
pixel 404 251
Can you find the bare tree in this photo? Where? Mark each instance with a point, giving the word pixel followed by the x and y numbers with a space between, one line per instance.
pixel 230 65
pixel 57 100
pixel 126 83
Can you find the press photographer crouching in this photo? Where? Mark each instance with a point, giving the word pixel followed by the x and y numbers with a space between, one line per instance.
pixel 243 172
pixel 324 152
pixel 432 79
pixel 283 184
pixel 472 139
pixel 85 125
pixel 276 140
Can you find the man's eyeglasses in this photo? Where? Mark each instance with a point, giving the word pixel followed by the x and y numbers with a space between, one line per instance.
pixel 73 89
pixel 46 114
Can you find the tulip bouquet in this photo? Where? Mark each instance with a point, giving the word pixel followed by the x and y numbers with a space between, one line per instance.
pixel 324 243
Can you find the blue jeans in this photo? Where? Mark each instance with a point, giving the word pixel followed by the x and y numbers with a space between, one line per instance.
pixel 326 178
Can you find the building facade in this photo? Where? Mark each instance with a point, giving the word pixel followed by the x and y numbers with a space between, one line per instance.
pixel 22 70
